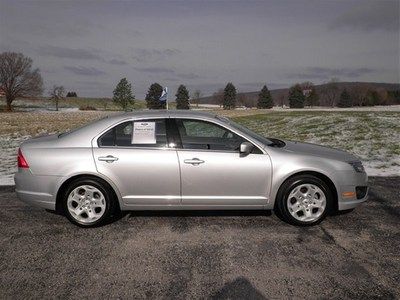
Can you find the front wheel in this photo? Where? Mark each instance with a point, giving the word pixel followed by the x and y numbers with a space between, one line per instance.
pixel 303 200
pixel 88 202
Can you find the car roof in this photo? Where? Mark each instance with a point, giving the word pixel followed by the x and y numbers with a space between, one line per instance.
pixel 164 113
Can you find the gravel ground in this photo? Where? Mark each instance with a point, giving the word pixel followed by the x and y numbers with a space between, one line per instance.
pixel 224 255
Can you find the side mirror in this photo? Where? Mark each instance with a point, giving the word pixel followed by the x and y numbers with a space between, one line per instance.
pixel 245 148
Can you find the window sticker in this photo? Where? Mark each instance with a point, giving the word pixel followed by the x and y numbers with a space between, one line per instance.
pixel 144 133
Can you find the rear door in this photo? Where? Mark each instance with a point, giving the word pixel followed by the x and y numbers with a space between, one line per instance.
pixel 213 173
pixel 138 158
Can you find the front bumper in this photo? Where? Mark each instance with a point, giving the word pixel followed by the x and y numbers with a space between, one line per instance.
pixel 36 190
pixel 347 183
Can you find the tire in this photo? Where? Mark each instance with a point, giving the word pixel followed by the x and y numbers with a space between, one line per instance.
pixel 303 200
pixel 88 202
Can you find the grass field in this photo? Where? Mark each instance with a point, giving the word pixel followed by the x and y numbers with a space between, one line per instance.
pixel 372 135
pixel 44 103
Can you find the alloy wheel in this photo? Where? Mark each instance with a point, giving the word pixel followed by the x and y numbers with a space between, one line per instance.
pixel 306 202
pixel 86 204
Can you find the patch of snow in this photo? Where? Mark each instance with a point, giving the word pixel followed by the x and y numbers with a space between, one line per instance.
pixel 49 110
pixel 391 170
pixel 356 108
pixel 8 156
pixel 7 180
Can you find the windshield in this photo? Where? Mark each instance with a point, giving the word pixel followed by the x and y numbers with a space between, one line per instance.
pixel 247 131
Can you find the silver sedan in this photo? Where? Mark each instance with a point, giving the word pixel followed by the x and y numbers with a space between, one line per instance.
pixel 171 160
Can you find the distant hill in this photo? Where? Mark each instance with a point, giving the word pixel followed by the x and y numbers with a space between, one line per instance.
pixel 280 95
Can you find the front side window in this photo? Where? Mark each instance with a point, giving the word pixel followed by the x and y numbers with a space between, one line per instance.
pixel 143 133
pixel 197 134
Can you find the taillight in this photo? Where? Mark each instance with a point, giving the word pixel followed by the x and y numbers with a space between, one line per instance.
pixel 22 163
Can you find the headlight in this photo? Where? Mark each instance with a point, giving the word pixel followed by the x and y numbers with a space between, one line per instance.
pixel 357 166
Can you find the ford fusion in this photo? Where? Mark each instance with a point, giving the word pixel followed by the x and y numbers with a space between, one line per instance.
pixel 171 160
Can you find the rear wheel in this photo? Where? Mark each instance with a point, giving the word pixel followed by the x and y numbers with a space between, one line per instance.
pixel 304 200
pixel 88 202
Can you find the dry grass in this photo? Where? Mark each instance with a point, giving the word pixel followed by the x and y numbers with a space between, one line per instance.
pixel 34 123
pixel 44 103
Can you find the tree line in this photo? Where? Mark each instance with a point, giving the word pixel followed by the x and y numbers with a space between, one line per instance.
pixel 298 98
pixel 124 97
pixel 19 79
pixel 305 94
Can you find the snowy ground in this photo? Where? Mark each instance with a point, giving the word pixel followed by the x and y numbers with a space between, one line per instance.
pixel 373 134
pixel 19 126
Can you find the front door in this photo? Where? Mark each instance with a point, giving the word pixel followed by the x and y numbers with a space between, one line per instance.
pixel 213 173
pixel 136 157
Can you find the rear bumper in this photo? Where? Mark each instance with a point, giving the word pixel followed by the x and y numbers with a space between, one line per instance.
pixel 36 190
pixel 42 200
pixel 348 181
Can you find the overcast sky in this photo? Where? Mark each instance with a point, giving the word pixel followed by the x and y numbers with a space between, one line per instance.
pixel 88 46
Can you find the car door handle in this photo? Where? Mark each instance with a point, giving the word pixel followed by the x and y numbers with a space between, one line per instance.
pixel 108 158
pixel 193 161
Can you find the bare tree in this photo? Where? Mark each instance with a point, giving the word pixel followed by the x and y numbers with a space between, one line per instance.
pixel 56 94
pixel 383 95
pixel 240 99
pixel 281 100
pixel 331 92
pixel 17 78
pixel 196 97
pixel 306 86
pixel 358 94
pixel 245 101
pixel 218 97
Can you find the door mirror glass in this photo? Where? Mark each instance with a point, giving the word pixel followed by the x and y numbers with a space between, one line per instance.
pixel 245 148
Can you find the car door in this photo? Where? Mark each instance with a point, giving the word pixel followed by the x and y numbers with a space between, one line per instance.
pixel 136 156
pixel 213 173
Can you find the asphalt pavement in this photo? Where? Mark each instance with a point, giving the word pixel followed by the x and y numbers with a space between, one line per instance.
pixel 186 255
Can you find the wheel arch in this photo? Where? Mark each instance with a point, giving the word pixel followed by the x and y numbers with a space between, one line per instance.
pixel 319 175
pixel 65 183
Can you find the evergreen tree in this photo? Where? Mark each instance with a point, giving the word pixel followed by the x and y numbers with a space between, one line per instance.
pixel 229 100
pixel 182 98
pixel 345 99
pixel 313 98
pixel 153 97
pixel 123 95
pixel 264 98
pixel 296 97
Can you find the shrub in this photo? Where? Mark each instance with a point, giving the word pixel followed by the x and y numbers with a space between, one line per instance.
pixel 87 107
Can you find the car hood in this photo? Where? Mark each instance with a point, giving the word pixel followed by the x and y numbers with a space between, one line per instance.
pixel 320 151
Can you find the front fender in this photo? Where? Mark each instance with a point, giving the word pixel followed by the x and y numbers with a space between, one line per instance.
pixel 286 167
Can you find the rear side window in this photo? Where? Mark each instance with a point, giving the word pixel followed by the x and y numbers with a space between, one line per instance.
pixel 143 133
